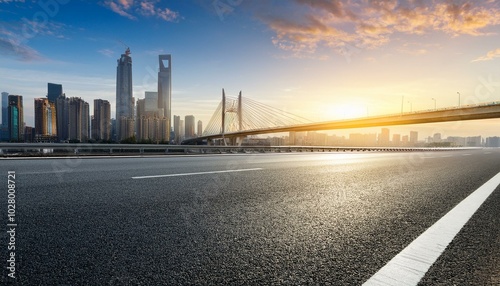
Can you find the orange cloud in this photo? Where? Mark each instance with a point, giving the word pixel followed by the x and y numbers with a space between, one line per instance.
pixel 489 56
pixel 370 23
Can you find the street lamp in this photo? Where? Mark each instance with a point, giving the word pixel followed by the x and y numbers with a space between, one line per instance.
pixel 434 103
pixel 458 98
pixel 411 106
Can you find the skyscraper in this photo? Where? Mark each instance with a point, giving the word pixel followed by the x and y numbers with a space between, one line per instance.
pixel 16 118
pixel 124 99
pixel 383 138
pixel 190 126
pixel 78 123
pixel 177 129
pixel 45 118
pixel 4 129
pixel 5 104
pixel 54 91
pixel 101 124
pixel 62 118
pixel 165 89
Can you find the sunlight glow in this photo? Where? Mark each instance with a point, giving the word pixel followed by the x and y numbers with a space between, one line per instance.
pixel 346 111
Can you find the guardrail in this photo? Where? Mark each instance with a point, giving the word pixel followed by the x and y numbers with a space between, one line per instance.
pixel 85 149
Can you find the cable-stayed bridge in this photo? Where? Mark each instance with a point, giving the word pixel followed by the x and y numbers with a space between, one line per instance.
pixel 238 117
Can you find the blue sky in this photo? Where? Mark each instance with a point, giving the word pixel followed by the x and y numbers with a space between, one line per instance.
pixel 322 59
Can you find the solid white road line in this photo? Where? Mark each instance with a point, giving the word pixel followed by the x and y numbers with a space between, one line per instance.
pixel 197 173
pixel 411 264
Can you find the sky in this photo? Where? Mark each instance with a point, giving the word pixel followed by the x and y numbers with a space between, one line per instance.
pixel 319 59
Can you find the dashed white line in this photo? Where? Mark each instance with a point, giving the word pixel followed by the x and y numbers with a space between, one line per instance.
pixel 197 173
pixel 446 156
pixel 411 264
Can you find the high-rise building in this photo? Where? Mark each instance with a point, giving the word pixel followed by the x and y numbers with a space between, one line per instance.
pixel 62 118
pixel 45 118
pixel 54 91
pixel 165 89
pixel 16 118
pixel 4 129
pixel 182 130
pixel 189 122
pixel 200 128
pixel 151 104
pixel 5 104
pixel 101 124
pixel 177 129
pixel 384 136
pixel 151 125
pixel 124 98
pixel 396 139
pixel 413 137
pixel 78 119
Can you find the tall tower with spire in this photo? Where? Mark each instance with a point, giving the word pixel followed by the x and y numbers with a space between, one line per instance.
pixel 165 90
pixel 124 98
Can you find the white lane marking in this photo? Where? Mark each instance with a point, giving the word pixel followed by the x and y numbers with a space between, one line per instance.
pixel 430 157
pixel 411 264
pixel 466 154
pixel 197 173
pixel 446 156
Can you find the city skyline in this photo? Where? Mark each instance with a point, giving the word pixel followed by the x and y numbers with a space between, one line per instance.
pixel 321 61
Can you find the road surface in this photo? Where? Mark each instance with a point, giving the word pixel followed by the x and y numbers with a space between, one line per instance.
pixel 246 219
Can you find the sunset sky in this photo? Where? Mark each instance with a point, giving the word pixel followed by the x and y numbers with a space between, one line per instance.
pixel 320 59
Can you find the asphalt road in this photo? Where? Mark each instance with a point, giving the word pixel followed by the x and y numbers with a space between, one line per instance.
pixel 280 219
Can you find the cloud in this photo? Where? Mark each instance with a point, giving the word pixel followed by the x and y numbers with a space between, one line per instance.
pixel 107 52
pixel 120 8
pixel 489 56
pixel 8 1
pixel 370 24
pixel 21 51
pixel 146 8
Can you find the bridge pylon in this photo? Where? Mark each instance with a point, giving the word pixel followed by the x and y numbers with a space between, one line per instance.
pixel 233 109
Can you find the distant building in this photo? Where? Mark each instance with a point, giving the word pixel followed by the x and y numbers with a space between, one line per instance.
pixel 15 118
pixel 4 128
pixel 54 91
pixel 396 139
pixel 62 118
pixel 493 141
pixel 5 104
pixel 177 129
pixel 182 130
pixel 150 122
pixel 365 140
pixel 189 127
pixel 405 140
pixel 79 120
pixel 101 123
pixel 383 139
pixel 457 141
pixel 200 128
pixel 45 120
pixel 474 141
pixel 165 89
pixel 413 137
pixel 436 138
pixel 29 134
pixel 124 97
